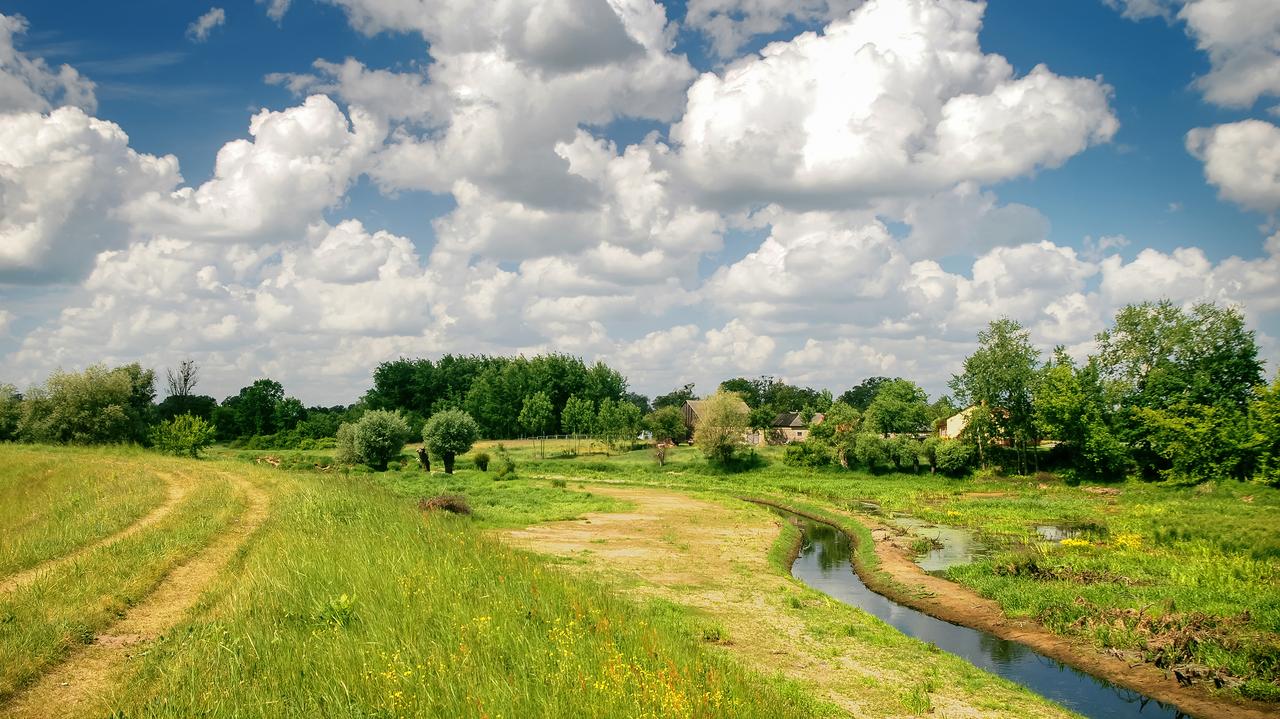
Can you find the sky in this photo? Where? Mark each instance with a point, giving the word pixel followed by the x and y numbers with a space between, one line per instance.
pixel 818 190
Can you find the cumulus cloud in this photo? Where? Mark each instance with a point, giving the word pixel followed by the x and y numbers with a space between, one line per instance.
pixel 64 176
pixel 200 28
pixel 28 84
pixel 728 24
pixel 1241 38
pixel 898 99
pixel 1242 160
pixel 300 161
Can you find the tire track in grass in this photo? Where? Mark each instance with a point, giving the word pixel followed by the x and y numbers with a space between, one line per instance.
pixel 78 686
pixel 177 487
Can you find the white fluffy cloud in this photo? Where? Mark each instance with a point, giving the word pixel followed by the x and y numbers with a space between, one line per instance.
pixel 300 161
pixel 1241 38
pixel 63 178
pixel 29 84
pixel 728 24
pixel 1242 160
pixel 897 99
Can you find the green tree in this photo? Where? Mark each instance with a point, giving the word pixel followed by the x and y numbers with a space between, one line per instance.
pixel 666 424
pixel 450 433
pixel 1072 407
pixel 1264 420
pixel 10 412
pixel 184 435
pixel 375 439
pixel 1200 442
pixel 90 407
pixel 748 390
pixel 721 428
pixel 577 416
pixel 999 376
pixel 617 421
pixel 905 452
pixel 859 397
pixel 675 398
pixel 954 457
pixel 872 450
pixel 899 406
pixel 537 417
pixel 839 431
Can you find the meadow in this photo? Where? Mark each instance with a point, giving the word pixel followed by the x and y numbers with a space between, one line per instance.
pixel 338 597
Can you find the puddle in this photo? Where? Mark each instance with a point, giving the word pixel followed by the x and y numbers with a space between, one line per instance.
pixel 955 546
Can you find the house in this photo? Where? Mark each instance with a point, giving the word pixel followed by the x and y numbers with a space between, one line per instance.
pixel 790 427
pixel 694 408
pixel 956 424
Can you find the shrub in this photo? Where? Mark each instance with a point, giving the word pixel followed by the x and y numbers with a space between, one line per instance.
pixel 183 435
pixel 929 450
pixel 955 457
pixel 454 503
pixel 871 450
pixel 450 433
pixel 481 460
pixel 374 439
pixel 806 454
pixel 503 466
pixel 722 428
pixel 559 483
pixel 905 452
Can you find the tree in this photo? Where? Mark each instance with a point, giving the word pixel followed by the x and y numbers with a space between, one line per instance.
pixel 450 433
pixel 184 435
pixel 1264 420
pixel 1200 442
pixel 721 427
pixel 537 417
pixel 10 412
pixel 288 413
pixel 954 457
pixel 839 431
pixel 999 376
pixel 182 383
pixel 905 452
pixel 255 408
pixel 859 397
pixel 675 398
pixel 871 450
pixel 374 439
pixel 899 406
pixel 1072 407
pixel 577 416
pixel 666 424
pixel 617 420
pixel 748 390
pixel 90 407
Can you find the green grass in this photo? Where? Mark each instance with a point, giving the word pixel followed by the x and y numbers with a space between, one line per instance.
pixel 42 621
pixel 53 503
pixel 350 603
pixel 1202 562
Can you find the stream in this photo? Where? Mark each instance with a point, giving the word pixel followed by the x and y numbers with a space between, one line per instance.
pixel 825 564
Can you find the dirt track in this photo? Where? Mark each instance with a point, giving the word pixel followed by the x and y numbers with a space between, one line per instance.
pixel 78 685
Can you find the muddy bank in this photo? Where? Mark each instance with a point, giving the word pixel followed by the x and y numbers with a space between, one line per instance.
pixel 899 578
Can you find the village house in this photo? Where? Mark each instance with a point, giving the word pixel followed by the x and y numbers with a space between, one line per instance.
pixel 955 424
pixel 790 427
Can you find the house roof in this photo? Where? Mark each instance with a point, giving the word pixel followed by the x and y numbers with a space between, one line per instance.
pixel 789 419
pixel 696 405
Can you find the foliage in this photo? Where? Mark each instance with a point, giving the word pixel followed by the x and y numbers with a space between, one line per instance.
pixel 929 451
pixel 373 440
pixel 578 415
pixel 999 377
pixel 450 433
pixel 839 430
pixel 1264 420
pixel 481 461
pixel 899 406
pixel 504 467
pixel 860 396
pixel 183 435
pixel 721 428
pixel 1072 407
pixel 666 424
pixel 536 414
pixel 809 453
pixel 90 407
pixel 493 389
pixel 10 412
pixel 675 398
pixel 872 450
pixel 1199 442
pixel 771 396
pixel 954 457
pixel 617 421
pixel 905 452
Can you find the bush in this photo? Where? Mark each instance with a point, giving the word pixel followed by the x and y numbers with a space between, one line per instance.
pixel 905 452
pixel 955 457
pixel 503 466
pixel 871 450
pixel 806 454
pixel 183 435
pixel 374 439
pixel 450 433
pixel 457 504
pixel 481 460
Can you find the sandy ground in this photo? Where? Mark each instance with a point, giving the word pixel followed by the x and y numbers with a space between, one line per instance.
pixel 711 555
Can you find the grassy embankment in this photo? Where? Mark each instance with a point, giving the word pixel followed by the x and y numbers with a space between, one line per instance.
pixel 348 602
pixel 1165 573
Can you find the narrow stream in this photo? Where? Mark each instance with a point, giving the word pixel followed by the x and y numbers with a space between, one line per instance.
pixel 825 564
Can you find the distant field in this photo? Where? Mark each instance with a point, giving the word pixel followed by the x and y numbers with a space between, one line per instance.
pixel 269 593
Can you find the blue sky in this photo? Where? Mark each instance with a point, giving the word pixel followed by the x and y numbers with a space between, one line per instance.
pixel 534 273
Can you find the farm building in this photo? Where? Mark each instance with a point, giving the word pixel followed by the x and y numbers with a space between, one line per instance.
pixel 790 427
pixel 955 424
pixel 694 407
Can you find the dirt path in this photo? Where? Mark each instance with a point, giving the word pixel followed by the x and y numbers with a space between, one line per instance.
pixel 938 597
pixel 78 685
pixel 711 555
pixel 176 487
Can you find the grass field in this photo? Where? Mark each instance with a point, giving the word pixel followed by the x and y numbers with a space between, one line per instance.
pixel 346 601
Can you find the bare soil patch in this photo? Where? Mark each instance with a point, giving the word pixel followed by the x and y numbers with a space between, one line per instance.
pixel 78 686
pixel 711 555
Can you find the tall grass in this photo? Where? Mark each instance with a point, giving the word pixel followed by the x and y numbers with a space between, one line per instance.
pixel 42 621
pixel 53 501
pixel 350 603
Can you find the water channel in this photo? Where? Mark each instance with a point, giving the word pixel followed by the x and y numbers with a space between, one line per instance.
pixel 825 564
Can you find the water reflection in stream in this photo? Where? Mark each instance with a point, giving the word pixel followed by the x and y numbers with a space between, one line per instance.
pixel 825 564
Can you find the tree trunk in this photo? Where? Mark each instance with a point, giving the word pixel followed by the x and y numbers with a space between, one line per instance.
pixel 424 460
pixel 448 462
